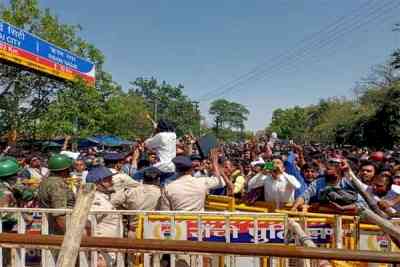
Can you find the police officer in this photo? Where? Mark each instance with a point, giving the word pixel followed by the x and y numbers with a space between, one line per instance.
pixel 9 169
pixel 188 193
pixel 106 225
pixel 114 161
pixel 145 196
pixel 198 169
pixel 54 192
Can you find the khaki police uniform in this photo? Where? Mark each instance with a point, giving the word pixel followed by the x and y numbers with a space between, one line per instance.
pixel 188 193
pixel 122 180
pixel 106 224
pixel 142 197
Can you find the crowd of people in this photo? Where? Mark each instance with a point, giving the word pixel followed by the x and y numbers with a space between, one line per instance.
pixel 167 173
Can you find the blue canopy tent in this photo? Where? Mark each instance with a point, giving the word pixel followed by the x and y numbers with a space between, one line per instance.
pixel 109 140
pixel 100 140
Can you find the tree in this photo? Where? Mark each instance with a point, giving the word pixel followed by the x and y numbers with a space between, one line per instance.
pixel 331 121
pixel 395 60
pixel 125 116
pixel 169 102
pixel 74 112
pixel 372 119
pixel 289 123
pixel 228 115
pixel 383 129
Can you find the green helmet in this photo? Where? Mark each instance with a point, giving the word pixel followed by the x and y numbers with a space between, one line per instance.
pixel 2 158
pixel 59 162
pixel 9 167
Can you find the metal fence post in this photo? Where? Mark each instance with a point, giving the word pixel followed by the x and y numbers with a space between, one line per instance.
pixel 18 255
pixel 47 257
pixel 228 237
pixel 1 249
pixel 338 232
pixel 173 237
pixel 120 255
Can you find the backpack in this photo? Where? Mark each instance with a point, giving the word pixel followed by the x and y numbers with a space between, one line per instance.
pixel 337 195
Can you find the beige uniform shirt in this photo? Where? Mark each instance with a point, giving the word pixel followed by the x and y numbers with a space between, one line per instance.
pixel 188 193
pixel 122 180
pixel 106 225
pixel 142 197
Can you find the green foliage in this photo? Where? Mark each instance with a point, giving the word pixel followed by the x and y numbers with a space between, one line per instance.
pixel 333 116
pixel 77 110
pixel 126 116
pixel 37 106
pixel 395 60
pixel 383 128
pixel 373 119
pixel 330 121
pixel 84 112
pixel 169 102
pixel 228 116
pixel 289 123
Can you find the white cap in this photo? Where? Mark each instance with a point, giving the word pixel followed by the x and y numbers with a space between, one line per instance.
pixel 70 154
pixel 258 161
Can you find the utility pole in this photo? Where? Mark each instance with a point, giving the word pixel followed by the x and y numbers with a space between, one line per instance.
pixel 155 109
pixel 197 110
pixel 155 106
pixel 74 143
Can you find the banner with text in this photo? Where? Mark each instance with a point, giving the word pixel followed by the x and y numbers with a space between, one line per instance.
pixel 239 231
pixel 23 48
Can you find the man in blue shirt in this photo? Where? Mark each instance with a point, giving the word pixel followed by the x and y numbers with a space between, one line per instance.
pixel 333 180
pixel 305 174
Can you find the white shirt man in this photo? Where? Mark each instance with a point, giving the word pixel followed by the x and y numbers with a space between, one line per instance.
pixel 256 181
pixel 280 189
pixel 164 144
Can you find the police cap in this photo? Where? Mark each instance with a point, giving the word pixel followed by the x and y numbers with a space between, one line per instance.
pixel 182 163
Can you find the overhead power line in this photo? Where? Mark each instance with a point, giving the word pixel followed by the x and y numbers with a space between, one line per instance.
pixel 343 25
pixel 291 62
pixel 305 41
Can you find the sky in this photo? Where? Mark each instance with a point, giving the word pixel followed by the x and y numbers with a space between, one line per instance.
pixel 301 50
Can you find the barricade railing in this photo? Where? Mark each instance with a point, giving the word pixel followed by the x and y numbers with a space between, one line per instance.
pixel 329 231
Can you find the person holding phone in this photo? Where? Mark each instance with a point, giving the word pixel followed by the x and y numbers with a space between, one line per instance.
pixel 279 187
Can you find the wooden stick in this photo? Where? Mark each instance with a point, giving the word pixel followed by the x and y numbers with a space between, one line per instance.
pixel 367 197
pixel 72 239
pixel 178 246
pixel 387 226
pixel 305 240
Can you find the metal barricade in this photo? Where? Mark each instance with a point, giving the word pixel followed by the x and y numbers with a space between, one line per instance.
pixel 196 226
